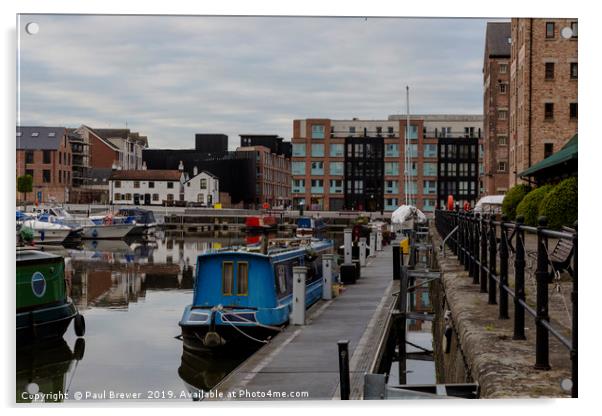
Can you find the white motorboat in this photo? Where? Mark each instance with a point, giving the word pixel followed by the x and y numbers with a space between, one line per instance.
pixel 45 232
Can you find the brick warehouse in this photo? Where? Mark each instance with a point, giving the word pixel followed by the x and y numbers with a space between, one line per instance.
pixel 45 154
pixel 543 90
pixel 496 79
pixel 359 164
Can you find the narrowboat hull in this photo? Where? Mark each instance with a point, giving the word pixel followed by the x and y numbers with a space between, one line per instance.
pixel 46 323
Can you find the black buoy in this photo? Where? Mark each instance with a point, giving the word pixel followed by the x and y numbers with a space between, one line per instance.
pixel 79 324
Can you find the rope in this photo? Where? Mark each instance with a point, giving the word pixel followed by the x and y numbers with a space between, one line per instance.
pixel 273 328
pixel 244 333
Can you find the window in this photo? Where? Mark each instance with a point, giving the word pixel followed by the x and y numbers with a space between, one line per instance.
pixel 574 28
pixel 429 169
pixel 117 184
pixel 200 198
pixel 574 70
pixel 549 70
pixel 336 186
pixel 117 196
pixel 573 110
pixel 242 279
pixel 29 156
pixel 128 197
pixel 298 168
pixel 391 150
pixel 317 131
pixel 317 168
pixel 155 197
pixel 549 111
pixel 46 156
pixel 502 140
pixel 337 150
pixel 151 184
pixel 548 149
pixel 298 149
pixel 390 131
pixel 413 132
pixel 430 150
pixel 503 68
pixel 203 183
pixel 550 30
pixel 169 197
pixel 352 129
pixel 379 131
pixel 502 114
pixel 391 168
pixel 298 186
pixel 336 168
pixel 317 150
pixel 391 187
pixel 169 185
pixel 227 278
pixel 60 158
pixel 136 184
pixel 46 176
pixel 501 166
pixel 503 89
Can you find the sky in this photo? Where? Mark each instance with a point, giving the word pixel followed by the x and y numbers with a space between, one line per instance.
pixel 169 77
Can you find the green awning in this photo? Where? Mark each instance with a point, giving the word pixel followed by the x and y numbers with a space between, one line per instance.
pixel 566 154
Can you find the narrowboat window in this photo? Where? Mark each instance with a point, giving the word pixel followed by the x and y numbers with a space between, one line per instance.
pixel 243 278
pixel 227 277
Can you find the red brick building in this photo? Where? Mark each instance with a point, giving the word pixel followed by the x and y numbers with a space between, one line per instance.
pixel 496 85
pixel 45 154
pixel 543 90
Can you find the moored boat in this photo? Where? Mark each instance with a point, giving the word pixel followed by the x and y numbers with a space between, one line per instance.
pixel 243 297
pixel 46 232
pixel 309 226
pixel 44 310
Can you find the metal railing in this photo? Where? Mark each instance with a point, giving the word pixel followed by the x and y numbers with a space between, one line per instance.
pixel 478 248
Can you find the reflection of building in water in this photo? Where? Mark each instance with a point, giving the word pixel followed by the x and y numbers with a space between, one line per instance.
pixel 181 252
pixel 420 302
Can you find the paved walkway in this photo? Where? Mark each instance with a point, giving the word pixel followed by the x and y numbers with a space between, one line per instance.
pixel 305 358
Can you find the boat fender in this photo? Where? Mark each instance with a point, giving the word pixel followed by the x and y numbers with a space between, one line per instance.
pixel 212 338
pixel 79 324
pixel 79 348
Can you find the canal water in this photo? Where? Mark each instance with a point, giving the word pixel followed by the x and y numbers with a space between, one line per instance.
pixel 132 294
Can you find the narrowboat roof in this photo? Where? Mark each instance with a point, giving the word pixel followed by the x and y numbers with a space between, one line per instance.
pixel 276 254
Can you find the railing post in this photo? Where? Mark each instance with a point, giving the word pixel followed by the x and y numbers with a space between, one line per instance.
pixel 519 281
pixel 483 279
pixel 503 270
pixel 456 238
pixel 476 248
pixel 470 243
pixel 461 234
pixel 542 340
pixel 574 390
pixel 327 263
pixel 492 261
pixel 344 369
pixel 396 262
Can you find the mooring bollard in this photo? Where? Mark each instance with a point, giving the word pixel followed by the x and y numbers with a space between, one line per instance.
pixel 347 238
pixel 298 314
pixel 379 240
pixel 372 244
pixel 362 251
pixel 396 262
pixel 345 384
pixel 327 263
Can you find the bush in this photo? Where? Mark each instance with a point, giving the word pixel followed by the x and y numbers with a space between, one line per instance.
pixel 512 199
pixel 560 204
pixel 529 206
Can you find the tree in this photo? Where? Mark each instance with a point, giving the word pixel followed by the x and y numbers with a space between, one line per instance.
pixel 25 184
pixel 560 204
pixel 513 198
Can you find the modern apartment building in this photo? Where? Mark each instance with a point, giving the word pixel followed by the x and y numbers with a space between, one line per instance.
pixel 359 164
pixel 44 153
pixel 543 90
pixel 496 93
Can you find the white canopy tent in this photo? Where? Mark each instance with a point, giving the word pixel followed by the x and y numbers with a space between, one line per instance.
pixel 489 204
pixel 404 217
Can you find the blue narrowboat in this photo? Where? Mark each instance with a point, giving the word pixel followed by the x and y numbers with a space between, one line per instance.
pixel 243 297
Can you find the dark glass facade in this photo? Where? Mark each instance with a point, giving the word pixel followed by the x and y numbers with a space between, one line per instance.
pixel 458 170
pixel 364 173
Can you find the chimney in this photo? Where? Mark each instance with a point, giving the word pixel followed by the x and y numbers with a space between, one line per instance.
pixel 181 166
pixel 195 171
